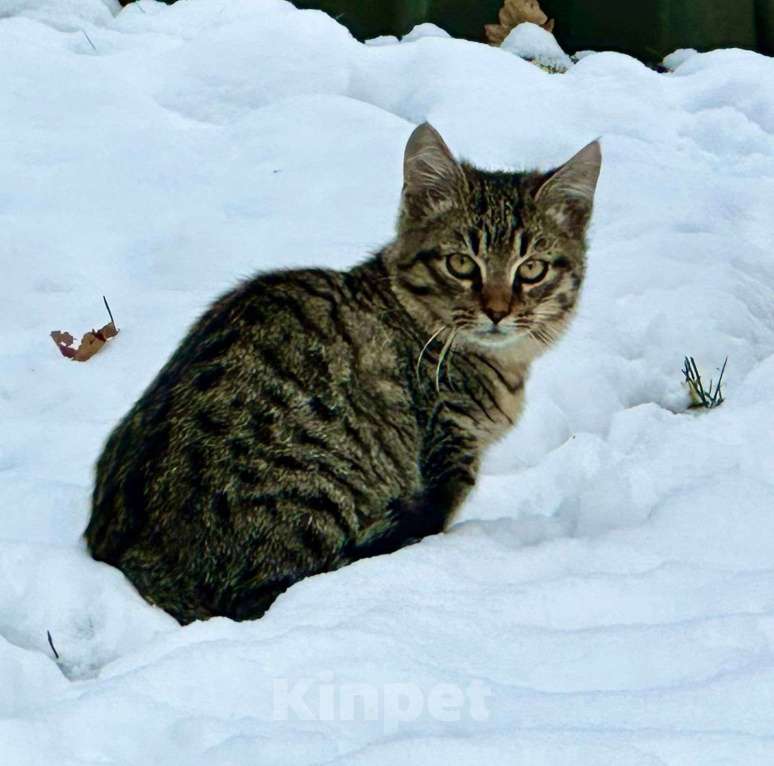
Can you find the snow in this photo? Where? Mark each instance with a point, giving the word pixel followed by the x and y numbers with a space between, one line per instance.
pixel 674 59
pixel 534 43
pixel 382 40
pixel 418 32
pixel 608 593
pixel 64 15
pixel 424 30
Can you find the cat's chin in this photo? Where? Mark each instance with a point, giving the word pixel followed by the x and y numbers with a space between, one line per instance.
pixel 496 338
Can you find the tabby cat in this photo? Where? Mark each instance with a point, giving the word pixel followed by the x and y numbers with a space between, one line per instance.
pixel 314 417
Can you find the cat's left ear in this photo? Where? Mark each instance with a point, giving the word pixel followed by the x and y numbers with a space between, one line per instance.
pixel 567 193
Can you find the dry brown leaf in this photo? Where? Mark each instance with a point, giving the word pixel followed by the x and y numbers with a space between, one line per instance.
pixel 108 331
pixel 64 342
pixel 513 13
pixel 90 343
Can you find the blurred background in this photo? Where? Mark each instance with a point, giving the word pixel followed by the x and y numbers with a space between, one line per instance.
pixel 647 29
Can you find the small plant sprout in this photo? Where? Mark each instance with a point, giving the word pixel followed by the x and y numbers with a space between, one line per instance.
pixel 709 397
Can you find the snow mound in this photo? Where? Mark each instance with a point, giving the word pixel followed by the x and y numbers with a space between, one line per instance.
pixel 424 30
pixel 608 593
pixel 536 44
pixel 382 40
pixel 678 57
pixel 65 15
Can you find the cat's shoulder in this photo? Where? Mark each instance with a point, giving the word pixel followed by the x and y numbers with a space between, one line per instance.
pixel 269 294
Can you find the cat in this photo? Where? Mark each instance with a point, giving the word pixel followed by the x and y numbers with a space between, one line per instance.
pixel 311 418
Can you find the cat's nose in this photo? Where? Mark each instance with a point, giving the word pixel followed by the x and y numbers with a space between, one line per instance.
pixel 495 314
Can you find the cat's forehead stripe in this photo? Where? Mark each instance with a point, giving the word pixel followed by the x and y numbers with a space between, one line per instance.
pixel 497 206
pixel 475 240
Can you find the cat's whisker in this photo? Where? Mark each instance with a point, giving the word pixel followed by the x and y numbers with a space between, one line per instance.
pixel 543 335
pixel 442 356
pixel 540 326
pixel 458 328
pixel 426 346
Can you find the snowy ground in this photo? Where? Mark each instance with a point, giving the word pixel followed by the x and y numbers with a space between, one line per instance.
pixel 608 597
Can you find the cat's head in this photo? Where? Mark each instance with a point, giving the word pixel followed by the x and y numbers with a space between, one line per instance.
pixel 498 257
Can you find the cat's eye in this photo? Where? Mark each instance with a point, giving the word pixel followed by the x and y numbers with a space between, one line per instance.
pixel 461 266
pixel 532 271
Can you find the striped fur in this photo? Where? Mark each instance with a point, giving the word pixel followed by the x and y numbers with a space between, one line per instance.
pixel 306 422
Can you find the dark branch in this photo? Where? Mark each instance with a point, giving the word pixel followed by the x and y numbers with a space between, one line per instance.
pixel 51 644
pixel 110 313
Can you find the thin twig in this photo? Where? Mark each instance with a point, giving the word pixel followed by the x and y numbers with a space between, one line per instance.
pixel 110 313
pixel 89 39
pixel 51 644
pixel 718 393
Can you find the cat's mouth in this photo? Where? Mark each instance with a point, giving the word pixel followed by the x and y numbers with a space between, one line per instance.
pixel 496 335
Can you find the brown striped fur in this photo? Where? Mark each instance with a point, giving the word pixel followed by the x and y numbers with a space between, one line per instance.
pixel 306 421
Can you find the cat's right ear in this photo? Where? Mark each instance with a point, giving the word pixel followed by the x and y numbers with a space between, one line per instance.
pixel 432 178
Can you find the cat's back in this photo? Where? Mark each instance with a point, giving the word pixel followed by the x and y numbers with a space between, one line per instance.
pixel 292 379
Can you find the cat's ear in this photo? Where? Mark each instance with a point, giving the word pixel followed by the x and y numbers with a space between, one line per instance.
pixel 432 178
pixel 567 193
